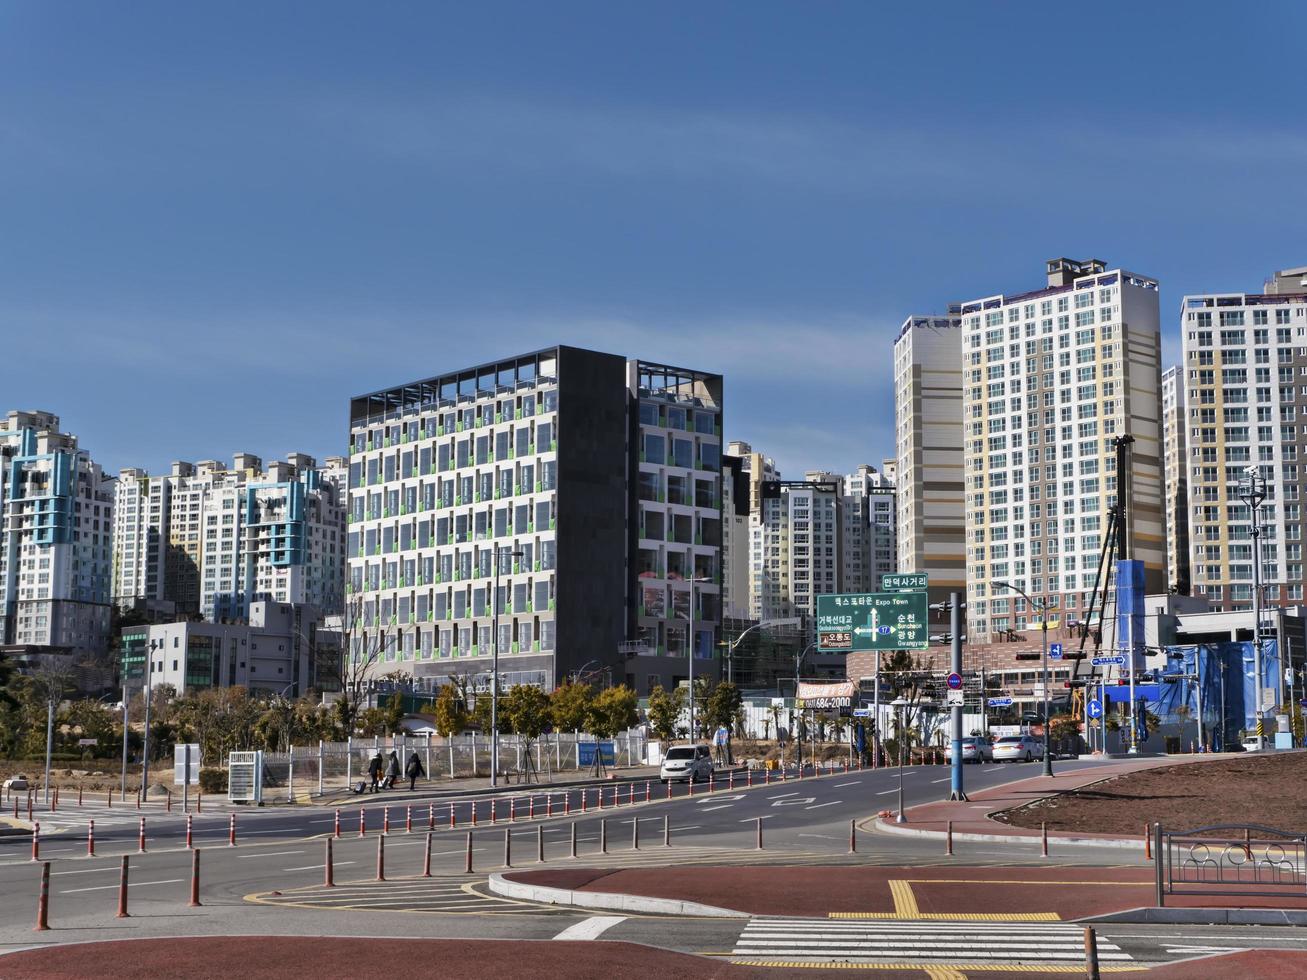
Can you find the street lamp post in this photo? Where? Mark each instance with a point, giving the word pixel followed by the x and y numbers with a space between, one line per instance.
pixel 693 582
pixel 1252 491
pixel 145 741
pixel 1042 606
pixel 798 742
pixel 901 704
pixel 494 672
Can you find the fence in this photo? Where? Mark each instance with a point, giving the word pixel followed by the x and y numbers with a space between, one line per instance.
pixel 329 767
pixel 1229 860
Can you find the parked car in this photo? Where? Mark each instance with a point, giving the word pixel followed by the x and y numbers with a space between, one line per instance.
pixel 686 763
pixel 975 748
pixel 16 783
pixel 1018 748
pixel 1250 743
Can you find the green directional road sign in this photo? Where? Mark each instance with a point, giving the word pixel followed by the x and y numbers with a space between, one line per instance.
pixel 872 621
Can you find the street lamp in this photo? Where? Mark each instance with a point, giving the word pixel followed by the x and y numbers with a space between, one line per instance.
pixel 1042 606
pixel 1252 491
pixel 693 582
pixel 494 672
pixel 145 742
pixel 901 704
pixel 798 742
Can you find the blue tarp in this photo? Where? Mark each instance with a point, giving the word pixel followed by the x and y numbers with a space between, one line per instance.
pixel 1228 692
pixel 586 751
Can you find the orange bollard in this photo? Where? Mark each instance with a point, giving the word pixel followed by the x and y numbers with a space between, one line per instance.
pixel 195 879
pixel 474 813
pixel 381 857
pixel 199 801
pixel 231 832
pixel 189 841
pixel 385 820
pixel 426 859
pixel 122 890
pixel 43 902
pixel 336 828
pixel 1148 843
pixel 1043 839
pixel 36 841
pixel 90 839
pixel 408 820
pixel 329 869
pixel 140 846
pixel 453 820
pixel 363 822
pixel 648 789
pixel 948 846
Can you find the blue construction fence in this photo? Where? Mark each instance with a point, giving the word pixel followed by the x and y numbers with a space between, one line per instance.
pixel 1226 674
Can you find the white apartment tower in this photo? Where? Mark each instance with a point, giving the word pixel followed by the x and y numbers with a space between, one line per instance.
pixel 869 527
pixel 1176 483
pixel 212 540
pixel 56 526
pixel 1245 380
pixel 795 547
pixel 1051 379
pixel 931 534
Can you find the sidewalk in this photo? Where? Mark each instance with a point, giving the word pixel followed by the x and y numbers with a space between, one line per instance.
pixel 972 819
pixel 444 789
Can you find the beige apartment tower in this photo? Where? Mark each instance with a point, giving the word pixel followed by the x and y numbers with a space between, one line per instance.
pixel 1051 379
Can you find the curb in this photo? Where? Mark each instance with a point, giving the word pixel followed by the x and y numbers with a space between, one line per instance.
pixel 608 901
pixel 1204 917
pixel 1027 839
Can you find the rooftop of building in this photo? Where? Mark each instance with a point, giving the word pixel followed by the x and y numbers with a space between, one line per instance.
pixel 1064 276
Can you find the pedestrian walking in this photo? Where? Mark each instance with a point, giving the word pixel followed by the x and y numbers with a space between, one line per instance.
pixel 413 770
pixel 392 771
pixel 375 768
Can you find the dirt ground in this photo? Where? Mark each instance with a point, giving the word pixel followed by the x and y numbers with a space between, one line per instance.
pixel 1260 789
pixel 98 774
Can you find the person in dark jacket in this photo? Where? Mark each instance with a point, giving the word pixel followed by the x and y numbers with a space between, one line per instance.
pixel 413 770
pixel 374 770
pixel 392 771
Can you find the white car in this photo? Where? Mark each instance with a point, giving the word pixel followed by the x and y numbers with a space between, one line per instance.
pixel 1018 748
pixel 1250 743
pixel 687 763
pixel 975 748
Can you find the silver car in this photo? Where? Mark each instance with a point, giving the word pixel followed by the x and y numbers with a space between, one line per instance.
pixel 975 748
pixel 687 763
pixel 1018 748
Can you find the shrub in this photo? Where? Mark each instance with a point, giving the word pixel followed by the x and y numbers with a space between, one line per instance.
pixel 213 780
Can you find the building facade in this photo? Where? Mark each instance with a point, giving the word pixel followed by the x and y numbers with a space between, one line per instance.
pixel 280 651
pixel 56 508
pixel 1245 404
pixel 930 512
pixel 1176 481
pixel 1051 379
pixel 590 483
pixel 868 527
pixel 795 545
pixel 212 540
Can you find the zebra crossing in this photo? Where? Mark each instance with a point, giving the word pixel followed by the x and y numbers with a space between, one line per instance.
pixel 775 941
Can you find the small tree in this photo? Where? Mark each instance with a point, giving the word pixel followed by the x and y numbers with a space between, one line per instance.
pixel 569 706
pixel 526 710
pixel 665 709
pixel 611 711
pixel 451 711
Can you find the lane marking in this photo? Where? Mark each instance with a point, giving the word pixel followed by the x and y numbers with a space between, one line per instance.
pixel 319 867
pixel 84 871
pixel 783 795
pixel 765 816
pixel 134 884
pixel 818 806
pixel 709 809
pixel 591 928
pixel 887 792
pixel 855 782
pixel 944 780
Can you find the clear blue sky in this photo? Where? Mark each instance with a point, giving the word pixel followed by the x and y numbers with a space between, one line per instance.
pixel 220 221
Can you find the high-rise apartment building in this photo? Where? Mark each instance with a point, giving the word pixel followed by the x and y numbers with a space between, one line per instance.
pixel 743 473
pixel 1051 379
pixel 931 532
pixel 868 527
pixel 1245 404
pixel 56 526
pixel 795 547
pixel 591 481
pixel 1176 481
pixel 212 540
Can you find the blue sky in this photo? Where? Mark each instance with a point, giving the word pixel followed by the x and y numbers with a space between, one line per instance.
pixel 220 221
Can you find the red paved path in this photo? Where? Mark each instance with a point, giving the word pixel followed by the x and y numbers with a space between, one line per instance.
pixel 1072 893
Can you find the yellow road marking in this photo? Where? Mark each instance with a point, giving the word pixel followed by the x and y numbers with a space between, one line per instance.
pixel 962 969
pixel 905 903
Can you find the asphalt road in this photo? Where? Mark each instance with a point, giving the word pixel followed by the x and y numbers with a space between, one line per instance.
pixel 282 849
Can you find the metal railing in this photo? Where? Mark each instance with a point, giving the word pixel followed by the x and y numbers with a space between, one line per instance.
pixel 1229 860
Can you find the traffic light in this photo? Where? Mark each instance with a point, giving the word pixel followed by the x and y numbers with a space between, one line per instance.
pixel 1026 656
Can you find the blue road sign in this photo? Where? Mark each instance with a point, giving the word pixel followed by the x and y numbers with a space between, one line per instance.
pixel 884 630
pixel 1108 661
pixel 1094 709
pixel 1055 651
pixel 954 682
pixel 999 702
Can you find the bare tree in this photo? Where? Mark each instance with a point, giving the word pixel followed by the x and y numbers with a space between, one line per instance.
pixel 360 653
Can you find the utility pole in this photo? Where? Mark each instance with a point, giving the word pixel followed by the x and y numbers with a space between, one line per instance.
pixel 1253 492
pixel 955 624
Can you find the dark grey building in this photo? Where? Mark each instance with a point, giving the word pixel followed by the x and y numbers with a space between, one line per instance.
pixel 595 480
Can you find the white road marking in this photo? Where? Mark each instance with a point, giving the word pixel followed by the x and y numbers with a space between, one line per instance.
pixel 855 782
pixel 708 809
pixel 133 884
pixel 718 796
pixel 765 816
pixel 319 867
pixel 820 805
pixel 590 928
pixel 783 795
pixel 887 792
pixel 801 801
pixel 944 780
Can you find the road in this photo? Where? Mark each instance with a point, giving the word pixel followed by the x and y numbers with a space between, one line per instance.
pixel 282 849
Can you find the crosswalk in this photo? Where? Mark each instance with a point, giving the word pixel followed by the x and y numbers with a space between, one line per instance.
pixel 807 942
